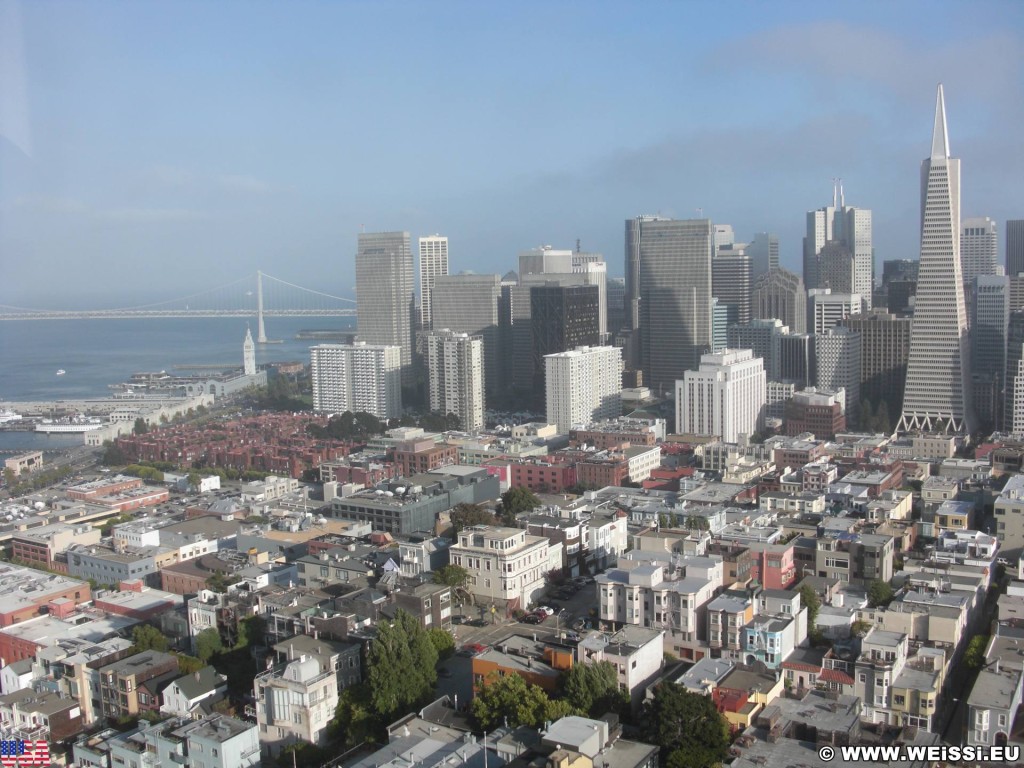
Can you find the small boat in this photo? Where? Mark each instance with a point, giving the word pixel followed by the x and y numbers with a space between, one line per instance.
pixel 61 372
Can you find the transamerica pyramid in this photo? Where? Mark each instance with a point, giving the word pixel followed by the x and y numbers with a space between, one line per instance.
pixel 937 395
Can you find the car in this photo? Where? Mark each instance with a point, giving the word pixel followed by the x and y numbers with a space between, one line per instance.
pixel 572 637
pixel 532 618
pixel 547 611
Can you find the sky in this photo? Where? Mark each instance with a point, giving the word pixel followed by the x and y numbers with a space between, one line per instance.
pixel 151 149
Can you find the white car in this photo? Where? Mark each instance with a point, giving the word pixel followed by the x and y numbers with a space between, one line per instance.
pixel 545 610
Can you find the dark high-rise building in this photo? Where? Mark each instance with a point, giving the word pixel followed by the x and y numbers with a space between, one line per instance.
pixel 899 283
pixel 671 263
pixel 616 304
pixel 562 317
pixel 885 348
pixel 763 338
pixel 779 294
pixel 1013 415
pixel 797 359
pixel 385 293
pixel 1014 247
pixel 730 283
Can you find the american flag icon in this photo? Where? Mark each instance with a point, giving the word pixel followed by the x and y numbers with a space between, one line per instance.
pixel 18 752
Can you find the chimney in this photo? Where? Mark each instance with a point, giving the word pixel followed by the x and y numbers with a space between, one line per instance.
pixel 196 675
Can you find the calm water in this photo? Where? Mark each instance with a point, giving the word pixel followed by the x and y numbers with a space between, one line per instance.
pixel 95 353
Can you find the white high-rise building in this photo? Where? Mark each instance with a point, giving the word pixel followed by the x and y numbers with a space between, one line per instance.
pixel 583 385
pixel 595 268
pixel 248 355
pixel 725 397
pixel 937 397
pixel 849 226
pixel 723 235
pixel 455 362
pixel 837 354
pixel 357 377
pixel 827 309
pixel 979 248
pixel 433 264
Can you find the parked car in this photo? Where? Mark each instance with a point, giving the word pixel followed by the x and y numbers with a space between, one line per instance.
pixel 545 610
pixel 472 649
pixel 532 618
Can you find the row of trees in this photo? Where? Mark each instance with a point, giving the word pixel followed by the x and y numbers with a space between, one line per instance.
pixel 361 425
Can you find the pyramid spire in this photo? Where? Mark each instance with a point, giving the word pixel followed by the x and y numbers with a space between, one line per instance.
pixel 940 136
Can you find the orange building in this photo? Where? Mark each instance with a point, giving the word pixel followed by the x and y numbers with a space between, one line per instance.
pixel 537 662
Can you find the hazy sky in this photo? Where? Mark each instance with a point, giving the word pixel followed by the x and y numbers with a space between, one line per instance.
pixel 150 148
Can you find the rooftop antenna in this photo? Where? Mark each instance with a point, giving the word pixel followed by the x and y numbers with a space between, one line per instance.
pixel 842 200
pixel 835 191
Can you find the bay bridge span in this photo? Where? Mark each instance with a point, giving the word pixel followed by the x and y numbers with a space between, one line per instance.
pixel 258 296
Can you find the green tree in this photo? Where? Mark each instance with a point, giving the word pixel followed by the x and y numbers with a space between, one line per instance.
pixel 301 753
pixel 252 632
pixel 208 644
pixel 443 642
pixel 454 576
pixel 9 477
pixel 880 593
pixel 141 427
pixel 194 479
pixel 146 637
pixel 355 720
pixel 689 729
pixel 468 515
pixel 402 665
pixel 220 581
pixel 509 699
pixel 188 665
pixel 975 655
pixel 860 628
pixel 516 500
pixel 114 456
pixel 593 689
pixel 810 600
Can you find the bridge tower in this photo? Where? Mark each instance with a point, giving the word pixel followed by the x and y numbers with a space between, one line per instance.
pixel 261 331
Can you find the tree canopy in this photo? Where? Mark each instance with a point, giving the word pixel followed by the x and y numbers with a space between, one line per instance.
pixel 402 666
pixel 516 500
pixel 454 576
pixel 146 637
pixel 880 593
pixel 509 699
pixel 468 515
pixel 208 644
pixel 689 729
pixel 594 689
pixel 348 426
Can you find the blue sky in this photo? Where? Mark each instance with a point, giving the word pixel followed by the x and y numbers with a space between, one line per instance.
pixel 149 148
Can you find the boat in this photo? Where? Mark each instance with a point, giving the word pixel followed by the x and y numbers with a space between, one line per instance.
pixel 7 416
pixel 69 424
pixel 61 372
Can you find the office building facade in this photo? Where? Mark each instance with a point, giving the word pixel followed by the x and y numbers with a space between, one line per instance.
pixel 433 264
pixel 837 361
pixel 730 282
pixel 779 294
pixel 468 303
pixel 851 228
pixel 385 294
pixel 1014 247
pixel 885 349
pixel 725 397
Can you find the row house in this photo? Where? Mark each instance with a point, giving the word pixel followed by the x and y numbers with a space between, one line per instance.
pixel 895 688
pixel 571 533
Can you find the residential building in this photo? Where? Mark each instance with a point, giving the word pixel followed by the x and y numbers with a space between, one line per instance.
pixel 30 716
pixel 295 702
pixel 430 603
pixel 183 696
pixel 1009 515
pixel 469 303
pixel 505 564
pixel 120 683
pixel 726 397
pixel 357 377
pixel 214 741
pixel 895 688
pixel 637 653
pixel 433 264
pixel 583 385
pixel 455 365
pixel 670 262
pixel 996 696
pixel 385 293
pixel 537 662
pixel 937 396
pixel 779 294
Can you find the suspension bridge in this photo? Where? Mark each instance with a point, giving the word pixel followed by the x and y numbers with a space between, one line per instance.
pixel 259 295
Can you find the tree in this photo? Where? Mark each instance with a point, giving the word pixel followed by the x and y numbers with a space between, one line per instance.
pixel 219 581
pixel 468 515
pixel 355 721
pixel 114 456
pixel 810 600
pixel 146 637
pixel 194 479
pixel 252 632
pixel 880 593
pixel 509 699
pixel 443 642
pixel 454 576
pixel 516 500
pixel 975 655
pixel 9 477
pixel 188 665
pixel 687 726
pixel 141 427
pixel 402 666
pixel 593 689
pixel 860 628
pixel 208 644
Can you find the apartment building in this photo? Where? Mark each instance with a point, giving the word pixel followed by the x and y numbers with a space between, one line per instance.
pixel 505 564
pixel 895 688
pixel 294 703
pixel 120 682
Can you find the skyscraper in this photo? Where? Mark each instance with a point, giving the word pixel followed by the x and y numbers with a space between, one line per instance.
pixel 468 303
pixel 595 269
pixel 885 347
pixel 357 377
pixel 433 264
pixel 937 396
pixel 979 248
pixel 837 360
pixel 582 386
pixel 725 397
pixel 779 294
pixel 827 308
pixel 763 251
pixel 1013 413
pixel 763 338
pixel 730 282
pixel 1014 247
pixel 991 315
pixel 456 376
pixel 675 295
pixel 384 293
pixel 562 317
pixel 849 226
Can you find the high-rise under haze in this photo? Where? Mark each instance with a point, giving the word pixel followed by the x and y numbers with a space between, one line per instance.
pixel 455 371
pixel 385 293
pixel 670 262
pixel 1014 247
pixel 433 264
pixel 937 395
pixel 979 248
pixel 779 294
pixel 469 303
pixel 849 227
